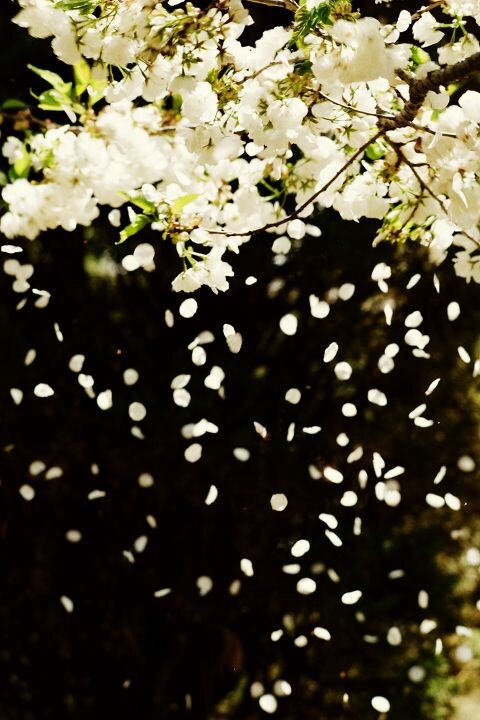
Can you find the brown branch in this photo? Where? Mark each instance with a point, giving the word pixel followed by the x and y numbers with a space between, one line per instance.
pixel 421 128
pixel 420 87
pixel 24 116
pixel 418 92
pixel 262 69
pixel 280 4
pixel 432 6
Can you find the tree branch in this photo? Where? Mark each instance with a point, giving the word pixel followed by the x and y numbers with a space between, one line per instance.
pixel 418 92
pixel 420 87
pixel 427 8
pixel 281 4
pixel 311 199
pixel 424 185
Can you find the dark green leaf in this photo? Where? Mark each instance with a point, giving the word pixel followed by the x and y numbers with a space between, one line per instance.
pixel 307 20
pixel 303 67
pixel 14 104
pixel 176 102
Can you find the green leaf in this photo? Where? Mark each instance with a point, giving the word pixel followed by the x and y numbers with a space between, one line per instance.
pixel 177 206
pixel 81 73
pixel 141 202
pixel 375 151
pixel 322 15
pixel 84 6
pixel 96 91
pixel 50 100
pixel 212 76
pixel 14 104
pixel 138 224
pixel 419 56
pixel 52 79
pixel 53 101
pixel 307 20
pixel 21 166
pixel 303 67
pixel 453 87
pixel 176 103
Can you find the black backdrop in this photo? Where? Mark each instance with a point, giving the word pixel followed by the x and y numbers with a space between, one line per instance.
pixel 124 652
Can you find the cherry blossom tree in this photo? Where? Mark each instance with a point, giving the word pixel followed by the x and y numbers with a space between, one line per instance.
pixel 335 110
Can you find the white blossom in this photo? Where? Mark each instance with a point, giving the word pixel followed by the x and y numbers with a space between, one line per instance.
pixel 232 134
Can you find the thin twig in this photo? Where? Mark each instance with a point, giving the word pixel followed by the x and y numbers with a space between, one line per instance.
pixel 262 69
pixel 424 185
pixel 282 4
pixel 432 132
pixel 308 202
pixel 423 10
pixel 353 109
pixel 383 115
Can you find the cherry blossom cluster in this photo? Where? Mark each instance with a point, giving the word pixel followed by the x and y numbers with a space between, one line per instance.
pixel 174 123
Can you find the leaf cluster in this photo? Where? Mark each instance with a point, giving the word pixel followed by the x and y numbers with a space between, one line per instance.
pixel 84 7
pixel 323 15
pixel 151 213
pixel 67 96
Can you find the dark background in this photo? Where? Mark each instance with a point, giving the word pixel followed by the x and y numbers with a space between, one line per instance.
pixel 124 653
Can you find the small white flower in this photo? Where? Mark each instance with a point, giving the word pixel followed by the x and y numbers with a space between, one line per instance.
pixel 199 105
pixel 118 50
pixel 470 104
pixel 425 30
pixel 404 21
